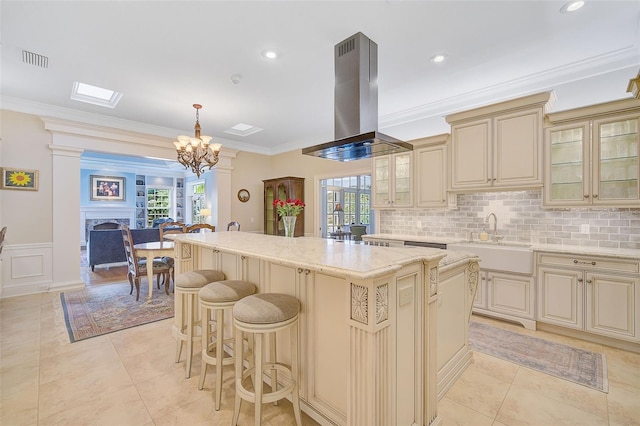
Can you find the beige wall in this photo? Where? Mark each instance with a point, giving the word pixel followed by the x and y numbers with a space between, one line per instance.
pixel 25 144
pixel 248 171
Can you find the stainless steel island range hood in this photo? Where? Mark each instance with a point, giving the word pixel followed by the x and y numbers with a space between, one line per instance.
pixel 356 106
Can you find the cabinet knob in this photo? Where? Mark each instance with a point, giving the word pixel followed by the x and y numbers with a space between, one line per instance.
pixel 580 280
pixel 589 281
pixel 595 195
pixel 586 195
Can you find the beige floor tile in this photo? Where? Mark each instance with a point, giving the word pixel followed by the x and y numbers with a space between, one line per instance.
pixel 523 407
pixel 19 408
pixel 578 396
pixel 76 361
pixel 623 369
pixel 16 353
pixel 168 392
pixel 20 334
pixel 123 407
pixel 495 367
pixel 624 406
pixel 137 340
pixel 154 362
pixel 454 414
pixel 81 387
pixel 478 391
pixel 199 412
pixel 19 380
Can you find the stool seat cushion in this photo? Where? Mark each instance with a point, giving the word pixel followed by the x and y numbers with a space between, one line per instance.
pixel 199 278
pixel 266 308
pixel 226 291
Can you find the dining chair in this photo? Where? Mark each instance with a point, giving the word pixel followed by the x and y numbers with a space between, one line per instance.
pixel 233 224
pixel 170 227
pixel 196 227
pixel 137 268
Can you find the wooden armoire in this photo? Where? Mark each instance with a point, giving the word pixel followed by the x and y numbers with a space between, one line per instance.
pixel 282 188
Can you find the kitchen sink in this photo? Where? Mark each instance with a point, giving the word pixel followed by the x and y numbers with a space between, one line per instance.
pixel 508 257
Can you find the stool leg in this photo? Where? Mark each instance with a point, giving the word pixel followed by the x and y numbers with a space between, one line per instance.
pixel 179 323
pixel 205 314
pixel 190 332
pixel 219 354
pixel 238 378
pixel 273 360
pixel 258 380
pixel 294 373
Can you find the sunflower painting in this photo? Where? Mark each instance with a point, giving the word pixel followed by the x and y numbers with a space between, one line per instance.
pixel 19 179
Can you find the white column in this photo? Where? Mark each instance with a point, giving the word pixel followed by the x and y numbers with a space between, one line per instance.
pixel 66 216
pixel 220 195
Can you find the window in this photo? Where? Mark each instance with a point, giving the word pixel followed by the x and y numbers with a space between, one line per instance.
pixel 353 194
pixel 198 201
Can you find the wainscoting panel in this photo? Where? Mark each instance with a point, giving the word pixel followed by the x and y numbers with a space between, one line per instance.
pixel 26 269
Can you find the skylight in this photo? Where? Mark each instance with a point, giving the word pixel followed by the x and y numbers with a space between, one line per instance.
pixel 242 129
pixel 95 95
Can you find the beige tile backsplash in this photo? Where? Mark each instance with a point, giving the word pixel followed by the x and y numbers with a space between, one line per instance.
pixel 521 217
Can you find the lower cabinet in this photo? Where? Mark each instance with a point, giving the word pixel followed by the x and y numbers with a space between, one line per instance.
pixel 594 294
pixel 506 295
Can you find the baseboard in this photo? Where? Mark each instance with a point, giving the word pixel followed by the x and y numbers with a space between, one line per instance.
pixel 595 338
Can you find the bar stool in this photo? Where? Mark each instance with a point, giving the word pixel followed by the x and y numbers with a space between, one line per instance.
pixel 186 286
pixel 259 315
pixel 219 297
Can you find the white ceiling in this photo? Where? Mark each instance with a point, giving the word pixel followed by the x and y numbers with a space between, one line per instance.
pixel 165 56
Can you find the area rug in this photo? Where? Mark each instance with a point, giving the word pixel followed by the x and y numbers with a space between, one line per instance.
pixel 106 308
pixel 576 365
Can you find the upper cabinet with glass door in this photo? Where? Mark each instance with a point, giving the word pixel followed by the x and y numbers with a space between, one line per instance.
pixel 392 183
pixel 592 156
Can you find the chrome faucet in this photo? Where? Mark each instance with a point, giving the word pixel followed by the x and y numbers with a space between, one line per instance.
pixel 495 223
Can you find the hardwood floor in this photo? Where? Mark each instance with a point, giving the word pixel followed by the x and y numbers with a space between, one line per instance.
pixel 101 274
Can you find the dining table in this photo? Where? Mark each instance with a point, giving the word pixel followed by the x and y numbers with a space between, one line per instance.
pixel 150 251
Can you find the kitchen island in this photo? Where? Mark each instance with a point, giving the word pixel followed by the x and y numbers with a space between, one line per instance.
pixel 368 324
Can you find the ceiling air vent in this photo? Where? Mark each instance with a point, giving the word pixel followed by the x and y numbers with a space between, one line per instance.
pixel 35 59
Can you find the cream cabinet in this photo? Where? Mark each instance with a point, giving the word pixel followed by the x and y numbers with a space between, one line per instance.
pixel 234 266
pixel 595 294
pixel 508 296
pixel 430 159
pixel 499 146
pixel 392 183
pixel 592 156
pixel 457 288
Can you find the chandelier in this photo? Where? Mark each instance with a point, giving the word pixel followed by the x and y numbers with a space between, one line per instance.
pixel 196 152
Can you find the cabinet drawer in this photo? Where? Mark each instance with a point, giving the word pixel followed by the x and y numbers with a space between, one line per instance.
pixel 590 263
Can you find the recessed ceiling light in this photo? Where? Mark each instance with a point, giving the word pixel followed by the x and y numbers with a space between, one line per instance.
pixel 572 6
pixel 270 54
pixel 242 129
pixel 440 57
pixel 95 95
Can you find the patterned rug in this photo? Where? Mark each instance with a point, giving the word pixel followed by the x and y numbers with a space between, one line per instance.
pixel 576 365
pixel 105 308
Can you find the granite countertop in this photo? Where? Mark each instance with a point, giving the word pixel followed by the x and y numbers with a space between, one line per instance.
pixel 343 258
pixel 552 248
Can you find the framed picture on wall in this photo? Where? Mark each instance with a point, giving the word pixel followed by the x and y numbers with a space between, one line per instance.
pixel 19 179
pixel 107 188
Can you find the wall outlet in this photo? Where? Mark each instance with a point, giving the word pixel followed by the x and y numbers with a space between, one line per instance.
pixel 584 229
